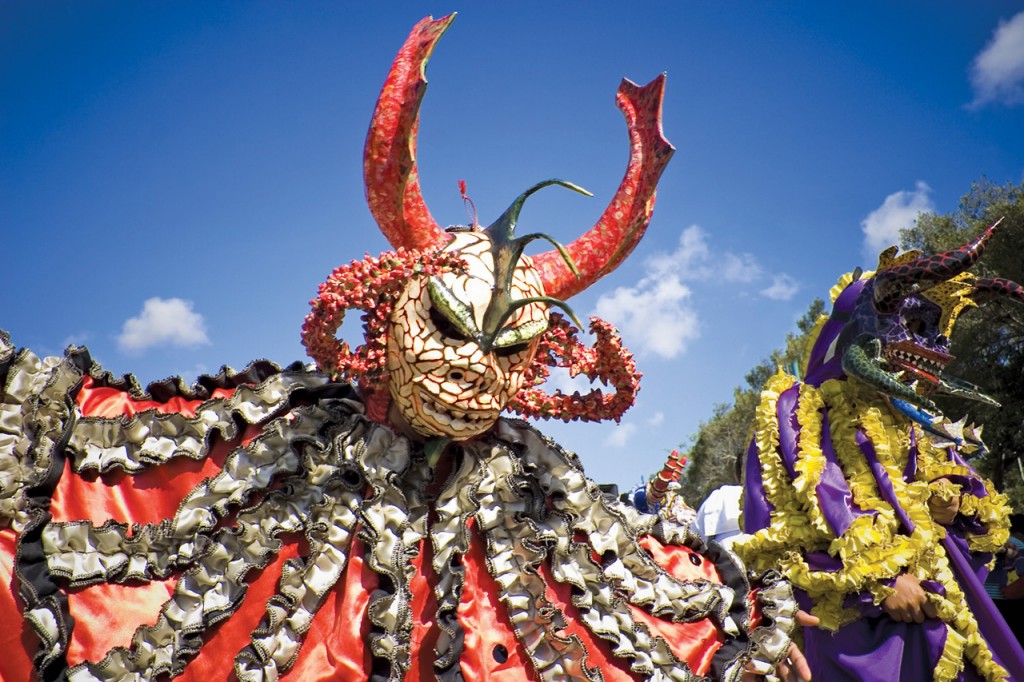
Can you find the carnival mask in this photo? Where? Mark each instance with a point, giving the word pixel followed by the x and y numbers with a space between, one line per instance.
pixel 457 322
pixel 445 376
pixel 897 338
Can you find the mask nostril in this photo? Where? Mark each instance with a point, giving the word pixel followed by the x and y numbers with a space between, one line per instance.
pixel 455 376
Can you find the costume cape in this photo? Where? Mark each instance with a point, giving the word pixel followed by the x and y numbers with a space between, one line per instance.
pixel 258 522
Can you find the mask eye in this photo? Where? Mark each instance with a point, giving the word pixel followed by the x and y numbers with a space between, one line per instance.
pixel 452 317
pixel 445 326
pixel 521 335
pixel 509 351
pixel 915 326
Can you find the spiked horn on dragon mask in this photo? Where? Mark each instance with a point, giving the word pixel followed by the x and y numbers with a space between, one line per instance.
pixel 897 337
pixel 457 323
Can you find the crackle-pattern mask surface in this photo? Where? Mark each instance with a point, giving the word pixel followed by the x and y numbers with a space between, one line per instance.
pixel 445 353
pixel 443 382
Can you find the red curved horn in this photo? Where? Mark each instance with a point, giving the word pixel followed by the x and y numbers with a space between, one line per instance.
pixel 389 158
pixel 894 284
pixel 624 222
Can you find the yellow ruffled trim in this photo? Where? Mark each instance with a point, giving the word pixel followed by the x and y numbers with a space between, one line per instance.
pixel 993 511
pixel 845 281
pixel 963 637
pixel 929 469
pixel 872 550
pixel 951 661
pixel 812 339
pixel 880 591
pixel 789 525
pixel 810 461
pixel 891 445
pixel 944 489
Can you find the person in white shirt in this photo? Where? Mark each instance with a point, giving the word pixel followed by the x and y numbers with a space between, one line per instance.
pixel 718 517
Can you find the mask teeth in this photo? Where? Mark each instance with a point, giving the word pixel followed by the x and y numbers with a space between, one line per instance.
pixel 861 362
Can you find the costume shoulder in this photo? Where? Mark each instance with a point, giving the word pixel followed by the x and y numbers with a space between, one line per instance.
pixel 257 521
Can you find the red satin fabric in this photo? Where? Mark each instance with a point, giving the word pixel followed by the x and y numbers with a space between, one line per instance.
pixel 695 643
pixel 16 637
pixel 335 648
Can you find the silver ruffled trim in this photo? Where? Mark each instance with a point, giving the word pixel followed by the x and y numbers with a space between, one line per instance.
pixel 323 470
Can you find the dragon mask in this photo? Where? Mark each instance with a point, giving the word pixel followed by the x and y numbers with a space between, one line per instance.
pixel 894 327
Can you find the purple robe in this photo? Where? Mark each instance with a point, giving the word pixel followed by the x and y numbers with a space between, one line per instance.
pixel 874 648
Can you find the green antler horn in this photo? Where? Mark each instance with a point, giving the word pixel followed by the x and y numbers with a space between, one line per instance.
pixel 506 250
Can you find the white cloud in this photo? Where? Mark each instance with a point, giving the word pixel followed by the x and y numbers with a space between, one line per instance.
pixel 657 314
pixel 620 435
pixel 693 260
pixel 997 73
pixel 898 211
pixel 782 288
pixel 688 260
pixel 163 322
pixel 656 419
pixel 738 268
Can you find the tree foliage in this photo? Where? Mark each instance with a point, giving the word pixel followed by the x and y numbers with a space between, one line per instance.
pixel 988 344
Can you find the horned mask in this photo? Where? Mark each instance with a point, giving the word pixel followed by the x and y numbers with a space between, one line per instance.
pixel 897 335
pixel 457 322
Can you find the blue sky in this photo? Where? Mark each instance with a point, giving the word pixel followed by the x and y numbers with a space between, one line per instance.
pixel 177 178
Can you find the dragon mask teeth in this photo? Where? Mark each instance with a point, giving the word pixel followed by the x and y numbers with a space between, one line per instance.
pixel 896 337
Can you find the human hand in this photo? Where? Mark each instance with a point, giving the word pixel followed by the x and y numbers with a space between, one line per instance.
pixel 909 604
pixel 793 668
pixel 944 506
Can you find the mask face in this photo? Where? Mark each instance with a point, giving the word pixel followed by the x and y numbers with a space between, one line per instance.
pixel 441 378
pixel 910 337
